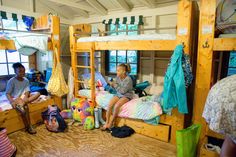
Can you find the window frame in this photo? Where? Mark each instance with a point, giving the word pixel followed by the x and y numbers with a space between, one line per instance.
pixel 107 54
pixel 7 63
pixel 6 51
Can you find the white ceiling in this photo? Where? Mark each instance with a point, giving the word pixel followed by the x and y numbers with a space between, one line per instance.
pixel 70 9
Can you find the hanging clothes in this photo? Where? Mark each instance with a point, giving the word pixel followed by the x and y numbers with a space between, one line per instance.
pixel 174 94
pixel 70 94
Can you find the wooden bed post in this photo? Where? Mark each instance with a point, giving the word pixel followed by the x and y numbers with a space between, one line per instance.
pixel 204 60
pixel 55 29
pixel 73 57
pixel 92 68
pixel 184 31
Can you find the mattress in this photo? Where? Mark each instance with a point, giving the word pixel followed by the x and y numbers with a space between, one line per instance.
pixel 4 103
pixel 145 108
pixel 128 37
pixel 227 36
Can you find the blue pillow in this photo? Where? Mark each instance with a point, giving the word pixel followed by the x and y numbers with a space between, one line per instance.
pixel 98 76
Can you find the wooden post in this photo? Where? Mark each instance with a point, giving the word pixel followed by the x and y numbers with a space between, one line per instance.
pixel 184 30
pixel 73 58
pixel 204 60
pixel 55 29
pixel 92 68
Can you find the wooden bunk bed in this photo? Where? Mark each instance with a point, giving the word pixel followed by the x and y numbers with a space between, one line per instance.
pixel 165 131
pixel 209 46
pixel 11 119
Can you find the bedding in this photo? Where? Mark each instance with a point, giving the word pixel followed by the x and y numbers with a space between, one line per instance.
pixel 145 108
pixel 5 105
pixel 227 36
pixel 128 37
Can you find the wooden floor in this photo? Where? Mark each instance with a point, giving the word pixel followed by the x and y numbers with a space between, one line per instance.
pixel 77 142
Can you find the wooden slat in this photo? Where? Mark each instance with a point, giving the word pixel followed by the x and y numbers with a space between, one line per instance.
pixel 211 133
pixel 208 153
pixel 160 132
pixel 37 106
pixel 80 81
pixel 224 44
pixel 81 66
pixel 165 45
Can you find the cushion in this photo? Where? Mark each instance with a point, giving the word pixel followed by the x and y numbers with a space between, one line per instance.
pixel 87 76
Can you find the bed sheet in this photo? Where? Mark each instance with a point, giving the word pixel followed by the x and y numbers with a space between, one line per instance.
pixel 128 37
pixel 144 108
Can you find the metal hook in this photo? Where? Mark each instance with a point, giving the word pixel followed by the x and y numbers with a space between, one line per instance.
pixel 206 45
pixel 183 44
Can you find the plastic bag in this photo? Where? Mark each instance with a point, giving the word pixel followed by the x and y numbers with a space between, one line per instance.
pixel 187 140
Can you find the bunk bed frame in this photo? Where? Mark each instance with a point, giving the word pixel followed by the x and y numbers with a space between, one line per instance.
pixel 208 45
pixel 165 131
pixel 11 119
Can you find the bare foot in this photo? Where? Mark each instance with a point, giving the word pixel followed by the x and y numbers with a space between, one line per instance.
pixel 110 125
pixel 104 127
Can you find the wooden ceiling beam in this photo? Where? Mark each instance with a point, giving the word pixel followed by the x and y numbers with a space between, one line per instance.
pixel 32 5
pixel 73 4
pixel 80 12
pixel 124 5
pixel 148 3
pixel 97 6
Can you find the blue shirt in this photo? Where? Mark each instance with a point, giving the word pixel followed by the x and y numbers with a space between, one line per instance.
pixel 16 88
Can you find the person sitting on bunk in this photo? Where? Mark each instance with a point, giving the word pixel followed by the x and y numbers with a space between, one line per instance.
pixel 123 85
pixel 18 94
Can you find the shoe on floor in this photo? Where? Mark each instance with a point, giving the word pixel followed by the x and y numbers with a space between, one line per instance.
pixel 31 130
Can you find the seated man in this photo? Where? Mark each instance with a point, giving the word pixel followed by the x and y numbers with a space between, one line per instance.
pixel 18 94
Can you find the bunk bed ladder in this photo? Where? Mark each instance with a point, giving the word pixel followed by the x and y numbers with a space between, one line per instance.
pixel 91 67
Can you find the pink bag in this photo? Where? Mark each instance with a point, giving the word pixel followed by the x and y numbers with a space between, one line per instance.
pixel 7 149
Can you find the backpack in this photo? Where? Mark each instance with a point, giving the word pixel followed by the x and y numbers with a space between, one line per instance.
pixel 53 120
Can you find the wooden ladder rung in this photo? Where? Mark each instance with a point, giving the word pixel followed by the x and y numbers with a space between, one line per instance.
pixel 83 51
pixel 82 66
pixel 80 81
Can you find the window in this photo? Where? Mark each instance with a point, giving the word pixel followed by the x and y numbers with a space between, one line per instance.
pixel 8 58
pixel 232 64
pixel 117 57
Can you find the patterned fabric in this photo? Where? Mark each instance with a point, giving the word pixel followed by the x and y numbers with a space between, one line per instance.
pixel 144 108
pixel 188 75
pixel 220 107
pixel 7 149
pixel 124 87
